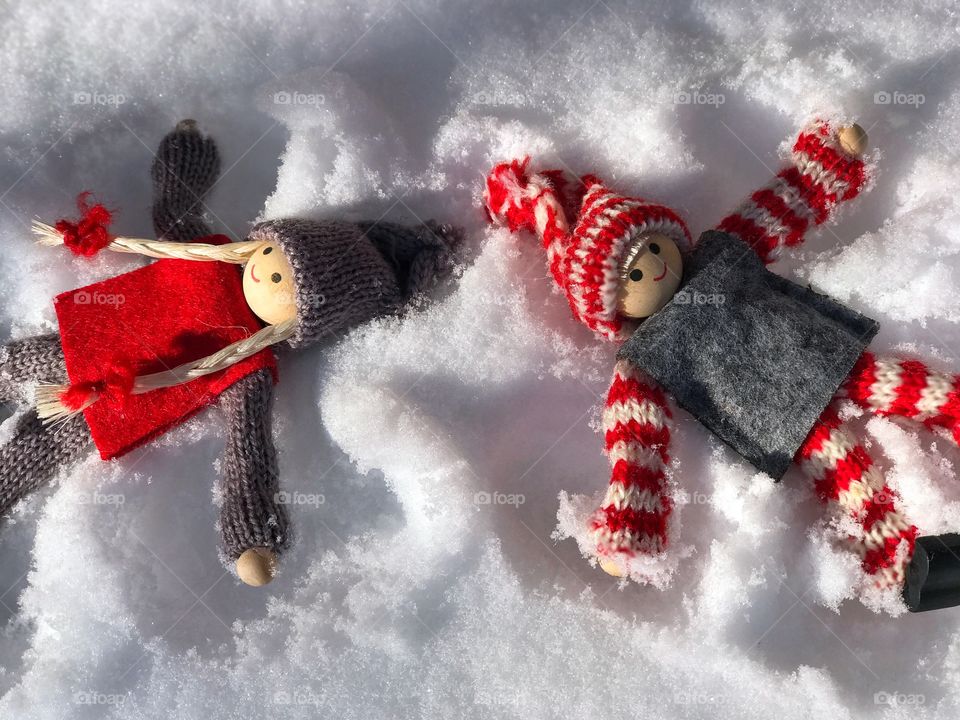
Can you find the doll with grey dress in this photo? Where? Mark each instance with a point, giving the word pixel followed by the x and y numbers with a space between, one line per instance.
pixel 760 361
pixel 139 353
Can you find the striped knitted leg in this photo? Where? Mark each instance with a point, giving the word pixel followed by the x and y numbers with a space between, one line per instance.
pixel 846 478
pixel 27 361
pixel 252 514
pixel 636 510
pixel 803 195
pixel 906 388
pixel 184 169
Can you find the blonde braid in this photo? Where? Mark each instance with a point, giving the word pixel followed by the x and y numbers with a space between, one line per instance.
pixel 237 253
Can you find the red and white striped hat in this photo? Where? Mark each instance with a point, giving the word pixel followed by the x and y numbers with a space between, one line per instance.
pixel 586 263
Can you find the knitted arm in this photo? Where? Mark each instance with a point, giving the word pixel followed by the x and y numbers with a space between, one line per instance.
pixel 636 510
pixel 825 169
pixel 908 388
pixel 251 514
pixel 184 170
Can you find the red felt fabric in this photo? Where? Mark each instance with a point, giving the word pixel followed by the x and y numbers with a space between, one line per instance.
pixel 153 319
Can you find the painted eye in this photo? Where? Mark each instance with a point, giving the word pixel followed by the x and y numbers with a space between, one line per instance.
pixel 275 277
pixel 267 250
pixel 654 248
pixel 636 275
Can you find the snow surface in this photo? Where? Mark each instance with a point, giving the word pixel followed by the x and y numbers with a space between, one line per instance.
pixel 428 453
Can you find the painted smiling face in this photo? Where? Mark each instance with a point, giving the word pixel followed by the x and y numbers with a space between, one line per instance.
pixel 268 285
pixel 651 278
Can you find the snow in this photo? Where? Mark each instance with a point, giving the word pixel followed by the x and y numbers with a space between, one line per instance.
pixel 429 452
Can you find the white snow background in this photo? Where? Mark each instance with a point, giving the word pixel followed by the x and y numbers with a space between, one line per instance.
pixel 425 455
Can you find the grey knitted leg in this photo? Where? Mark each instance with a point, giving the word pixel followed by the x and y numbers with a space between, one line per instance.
pixel 38 358
pixel 251 514
pixel 419 254
pixel 185 168
pixel 36 452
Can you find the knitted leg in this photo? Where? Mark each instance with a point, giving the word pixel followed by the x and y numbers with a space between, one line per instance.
pixel 846 478
pixel 636 510
pixel 35 453
pixel 251 515
pixel 38 358
pixel 419 255
pixel 185 168
pixel 906 388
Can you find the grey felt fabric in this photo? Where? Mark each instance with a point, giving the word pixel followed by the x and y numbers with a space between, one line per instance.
pixel 184 170
pixel 251 514
pixel 347 273
pixel 753 356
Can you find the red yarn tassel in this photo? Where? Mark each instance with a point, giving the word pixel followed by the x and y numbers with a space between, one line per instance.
pixel 60 402
pixel 88 235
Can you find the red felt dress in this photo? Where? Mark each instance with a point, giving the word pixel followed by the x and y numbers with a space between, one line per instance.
pixel 149 320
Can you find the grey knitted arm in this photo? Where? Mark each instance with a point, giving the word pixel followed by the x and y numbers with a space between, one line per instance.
pixel 36 451
pixel 30 360
pixel 419 254
pixel 185 168
pixel 251 515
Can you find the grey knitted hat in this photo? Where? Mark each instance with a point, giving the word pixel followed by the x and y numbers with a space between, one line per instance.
pixel 346 273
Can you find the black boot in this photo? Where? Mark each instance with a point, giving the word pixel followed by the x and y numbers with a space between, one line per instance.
pixel 933 577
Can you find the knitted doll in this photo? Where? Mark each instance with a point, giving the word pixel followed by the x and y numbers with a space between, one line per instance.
pixel 141 352
pixel 754 357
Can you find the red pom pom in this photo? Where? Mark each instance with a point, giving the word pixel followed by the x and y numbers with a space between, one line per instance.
pixel 88 235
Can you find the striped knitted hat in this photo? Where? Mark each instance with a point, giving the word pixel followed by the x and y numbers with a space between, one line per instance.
pixel 587 262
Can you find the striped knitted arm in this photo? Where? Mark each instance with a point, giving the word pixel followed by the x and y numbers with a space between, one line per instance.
pixel 908 388
pixel 846 478
pixel 635 512
pixel 806 193
pixel 535 202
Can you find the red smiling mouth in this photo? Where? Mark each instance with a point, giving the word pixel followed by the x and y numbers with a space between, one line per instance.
pixel 656 279
pixel 253 275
